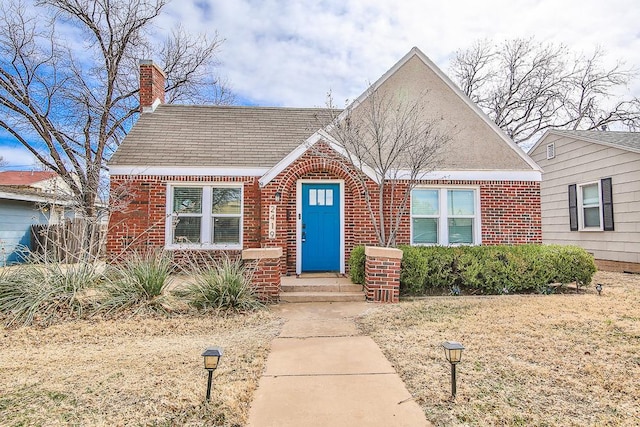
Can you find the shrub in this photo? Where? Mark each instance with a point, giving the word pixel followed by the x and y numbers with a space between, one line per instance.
pixel 470 268
pixel 571 263
pixel 413 271
pixel 357 264
pixel 224 286
pixel 426 270
pixel 44 293
pixel 535 269
pixel 138 283
pixel 493 269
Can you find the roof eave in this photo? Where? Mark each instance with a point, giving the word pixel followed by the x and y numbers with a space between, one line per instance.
pixel 8 195
pixel 582 138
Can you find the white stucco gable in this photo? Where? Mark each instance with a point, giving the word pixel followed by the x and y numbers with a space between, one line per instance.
pixel 480 150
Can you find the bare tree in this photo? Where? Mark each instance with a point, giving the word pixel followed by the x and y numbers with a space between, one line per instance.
pixel 69 80
pixel 386 143
pixel 527 87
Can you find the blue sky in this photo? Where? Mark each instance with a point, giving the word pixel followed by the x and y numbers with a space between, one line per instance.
pixel 291 53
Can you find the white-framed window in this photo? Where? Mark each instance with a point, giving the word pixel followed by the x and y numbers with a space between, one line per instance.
pixel 590 206
pixel 425 216
pixel 445 216
pixel 204 216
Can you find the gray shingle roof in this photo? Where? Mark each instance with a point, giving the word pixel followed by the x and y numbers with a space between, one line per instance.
pixel 625 140
pixel 217 136
pixel 14 192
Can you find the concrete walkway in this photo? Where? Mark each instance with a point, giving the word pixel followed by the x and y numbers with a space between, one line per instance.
pixel 322 372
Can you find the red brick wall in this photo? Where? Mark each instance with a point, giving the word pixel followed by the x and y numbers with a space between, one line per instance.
pixel 139 212
pixel 309 166
pixel 510 210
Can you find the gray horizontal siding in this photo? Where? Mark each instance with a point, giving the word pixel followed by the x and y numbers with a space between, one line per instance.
pixel 578 162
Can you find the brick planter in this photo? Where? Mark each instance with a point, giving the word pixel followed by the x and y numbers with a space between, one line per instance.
pixel 265 265
pixel 382 274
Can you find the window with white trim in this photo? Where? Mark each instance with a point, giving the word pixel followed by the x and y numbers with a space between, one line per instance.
pixel 590 206
pixel 204 216
pixel 444 216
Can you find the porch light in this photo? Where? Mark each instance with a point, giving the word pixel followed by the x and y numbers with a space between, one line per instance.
pixel 599 288
pixel 453 353
pixel 211 359
pixel 278 196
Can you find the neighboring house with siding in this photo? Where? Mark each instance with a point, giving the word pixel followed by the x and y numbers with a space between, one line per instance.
pixel 223 179
pixel 26 199
pixel 590 193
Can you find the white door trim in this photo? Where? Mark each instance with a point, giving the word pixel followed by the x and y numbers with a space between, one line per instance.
pixel 299 219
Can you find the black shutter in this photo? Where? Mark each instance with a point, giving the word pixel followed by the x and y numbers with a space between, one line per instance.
pixel 607 204
pixel 573 208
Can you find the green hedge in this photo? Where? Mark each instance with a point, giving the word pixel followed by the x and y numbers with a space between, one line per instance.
pixel 356 265
pixel 485 269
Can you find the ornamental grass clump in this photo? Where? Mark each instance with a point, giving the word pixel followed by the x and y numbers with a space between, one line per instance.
pixel 42 294
pixel 138 284
pixel 224 286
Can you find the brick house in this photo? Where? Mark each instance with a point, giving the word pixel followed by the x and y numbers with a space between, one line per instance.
pixel 226 179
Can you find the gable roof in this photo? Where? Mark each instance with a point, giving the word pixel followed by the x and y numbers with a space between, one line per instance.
pixel 216 136
pixel 629 141
pixel 261 141
pixel 517 156
pixel 417 53
pixel 25 177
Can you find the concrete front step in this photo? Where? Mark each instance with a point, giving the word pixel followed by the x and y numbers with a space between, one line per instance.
pixel 326 296
pixel 321 287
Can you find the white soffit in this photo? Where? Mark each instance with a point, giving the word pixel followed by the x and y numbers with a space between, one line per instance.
pixel 473 175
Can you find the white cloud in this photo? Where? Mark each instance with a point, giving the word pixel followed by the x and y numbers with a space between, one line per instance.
pixel 292 53
pixel 15 157
pixel 285 53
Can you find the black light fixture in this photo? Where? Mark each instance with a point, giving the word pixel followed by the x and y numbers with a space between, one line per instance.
pixel 599 288
pixel 278 196
pixel 453 353
pixel 211 359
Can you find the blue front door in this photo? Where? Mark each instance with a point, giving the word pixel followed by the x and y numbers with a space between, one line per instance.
pixel 320 232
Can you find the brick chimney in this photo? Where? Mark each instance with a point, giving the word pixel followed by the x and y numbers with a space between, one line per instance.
pixel 152 80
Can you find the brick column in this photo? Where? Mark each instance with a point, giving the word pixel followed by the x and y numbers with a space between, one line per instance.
pixel 382 274
pixel 265 265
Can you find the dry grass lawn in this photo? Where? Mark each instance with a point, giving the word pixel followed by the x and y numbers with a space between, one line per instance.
pixel 140 371
pixel 529 360
pixel 561 360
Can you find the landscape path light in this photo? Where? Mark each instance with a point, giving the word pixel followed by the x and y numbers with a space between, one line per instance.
pixel 211 359
pixel 599 288
pixel 453 352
